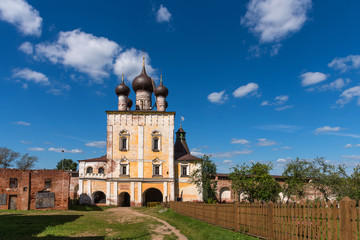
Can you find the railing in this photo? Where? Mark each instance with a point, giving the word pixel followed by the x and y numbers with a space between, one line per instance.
pixel 312 220
pixel 95 175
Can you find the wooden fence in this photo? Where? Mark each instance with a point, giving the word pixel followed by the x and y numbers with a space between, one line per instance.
pixel 295 221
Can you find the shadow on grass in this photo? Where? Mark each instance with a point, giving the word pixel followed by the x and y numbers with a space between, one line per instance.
pixel 17 226
pixel 86 238
pixel 87 208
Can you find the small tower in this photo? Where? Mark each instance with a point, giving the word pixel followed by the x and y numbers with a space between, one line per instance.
pixel 161 92
pixel 143 88
pixel 129 104
pixel 123 91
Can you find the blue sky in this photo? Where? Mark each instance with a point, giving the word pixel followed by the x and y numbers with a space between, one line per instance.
pixel 256 80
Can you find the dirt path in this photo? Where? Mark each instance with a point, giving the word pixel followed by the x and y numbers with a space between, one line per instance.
pixel 126 214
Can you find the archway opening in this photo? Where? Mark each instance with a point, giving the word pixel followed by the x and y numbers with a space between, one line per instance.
pixel 153 195
pixel 124 199
pixel 99 197
pixel 225 195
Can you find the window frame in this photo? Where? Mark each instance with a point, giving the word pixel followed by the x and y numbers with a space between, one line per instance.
pixel 156 163
pixel 182 167
pixel 124 135
pixel 87 170
pixel 12 182
pixel 124 164
pixel 103 170
pixel 156 135
pixel 47 183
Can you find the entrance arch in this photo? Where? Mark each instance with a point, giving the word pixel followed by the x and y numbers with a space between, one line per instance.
pixel 124 199
pixel 99 197
pixel 225 195
pixel 152 195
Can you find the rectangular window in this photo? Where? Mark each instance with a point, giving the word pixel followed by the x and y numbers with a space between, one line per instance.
pixel 184 171
pixel 123 144
pixel 156 144
pixel 13 183
pixel 123 172
pixel 156 170
pixel 47 183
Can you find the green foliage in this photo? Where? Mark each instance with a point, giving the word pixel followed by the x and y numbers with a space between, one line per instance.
pixel 296 175
pixel 352 186
pixel 7 156
pixel 67 164
pixel 255 182
pixel 204 179
pixel 26 161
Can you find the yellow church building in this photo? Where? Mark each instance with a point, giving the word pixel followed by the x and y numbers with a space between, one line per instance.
pixel 142 163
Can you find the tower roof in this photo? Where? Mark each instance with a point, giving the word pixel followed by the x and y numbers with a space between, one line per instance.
pixel 181 148
pixel 122 89
pixel 161 90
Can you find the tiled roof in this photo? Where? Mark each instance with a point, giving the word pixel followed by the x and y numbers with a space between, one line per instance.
pixel 99 159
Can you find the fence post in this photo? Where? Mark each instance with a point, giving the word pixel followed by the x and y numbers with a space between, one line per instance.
pixel 345 219
pixel 237 217
pixel 270 220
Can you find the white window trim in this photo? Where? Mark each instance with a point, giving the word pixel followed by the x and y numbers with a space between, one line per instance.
pixel 157 163
pixel 124 134
pixel 187 169
pixel 124 163
pixel 156 134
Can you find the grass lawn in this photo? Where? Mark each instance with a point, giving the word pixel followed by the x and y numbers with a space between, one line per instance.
pixel 194 229
pixel 82 223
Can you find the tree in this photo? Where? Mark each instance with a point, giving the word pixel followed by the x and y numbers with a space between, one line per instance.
pixel 353 185
pixel 26 161
pixel 67 164
pixel 204 179
pixel 7 156
pixel 330 180
pixel 296 175
pixel 255 182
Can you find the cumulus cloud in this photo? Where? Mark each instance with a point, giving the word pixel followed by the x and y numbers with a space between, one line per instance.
pixel 27 48
pixel 218 97
pixel 22 15
pixel 246 90
pixel 274 20
pixel 31 76
pixel 327 129
pixel 346 63
pixel 281 160
pixel 97 144
pixel 279 101
pixel 239 141
pixel 348 95
pixel 311 78
pixel 263 142
pixel 84 52
pixel 21 123
pixel 36 149
pixel 129 64
pixel 352 145
pixel 231 154
pixel 229 162
pixel 58 150
pixel 163 14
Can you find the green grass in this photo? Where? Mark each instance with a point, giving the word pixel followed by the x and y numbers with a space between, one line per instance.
pixel 83 224
pixel 194 229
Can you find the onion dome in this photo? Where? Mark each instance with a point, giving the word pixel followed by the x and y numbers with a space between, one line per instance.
pixel 161 90
pixel 122 89
pixel 142 82
pixel 129 103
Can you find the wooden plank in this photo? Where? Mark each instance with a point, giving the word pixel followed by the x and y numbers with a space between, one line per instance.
pixel 335 228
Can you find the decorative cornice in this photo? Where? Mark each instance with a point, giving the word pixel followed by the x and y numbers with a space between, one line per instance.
pixel 141 112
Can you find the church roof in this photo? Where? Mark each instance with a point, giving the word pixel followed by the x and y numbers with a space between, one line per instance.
pixel 99 159
pixel 181 149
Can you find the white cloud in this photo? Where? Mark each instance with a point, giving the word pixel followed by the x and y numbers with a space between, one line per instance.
pixel 353 157
pixel 229 162
pixel 352 145
pixel 231 154
pixel 281 160
pixel 278 101
pixel 27 48
pixel 84 52
pixel 59 150
pixel 36 149
pixel 327 129
pixel 25 142
pixel 274 20
pixel 31 76
pixel 239 141
pixel 218 97
pixel 163 14
pixel 22 123
pixel 348 95
pixel 129 64
pixel 282 108
pixel 22 15
pixel 197 154
pixel 248 89
pixel 346 63
pixel 263 142
pixel 311 78
pixel 97 144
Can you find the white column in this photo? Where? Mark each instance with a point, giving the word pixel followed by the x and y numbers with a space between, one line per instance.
pixel 81 183
pixel 172 191
pixel 165 196
pixel 132 191
pixel 89 191
pixel 139 193
pixel 141 151
pixel 115 193
pixel 108 192
pixel 171 153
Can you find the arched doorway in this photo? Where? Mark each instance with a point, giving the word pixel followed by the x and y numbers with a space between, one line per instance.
pixel 152 195
pixel 225 195
pixel 124 199
pixel 99 197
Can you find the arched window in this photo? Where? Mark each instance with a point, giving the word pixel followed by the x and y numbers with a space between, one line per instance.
pixel 101 170
pixel 157 168
pixel 156 141
pixel 124 140
pixel 89 170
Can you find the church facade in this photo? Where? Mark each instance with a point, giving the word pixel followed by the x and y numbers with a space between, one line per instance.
pixel 142 163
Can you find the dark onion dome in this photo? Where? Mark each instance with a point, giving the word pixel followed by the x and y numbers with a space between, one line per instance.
pixel 129 103
pixel 161 90
pixel 122 89
pixel 142 82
